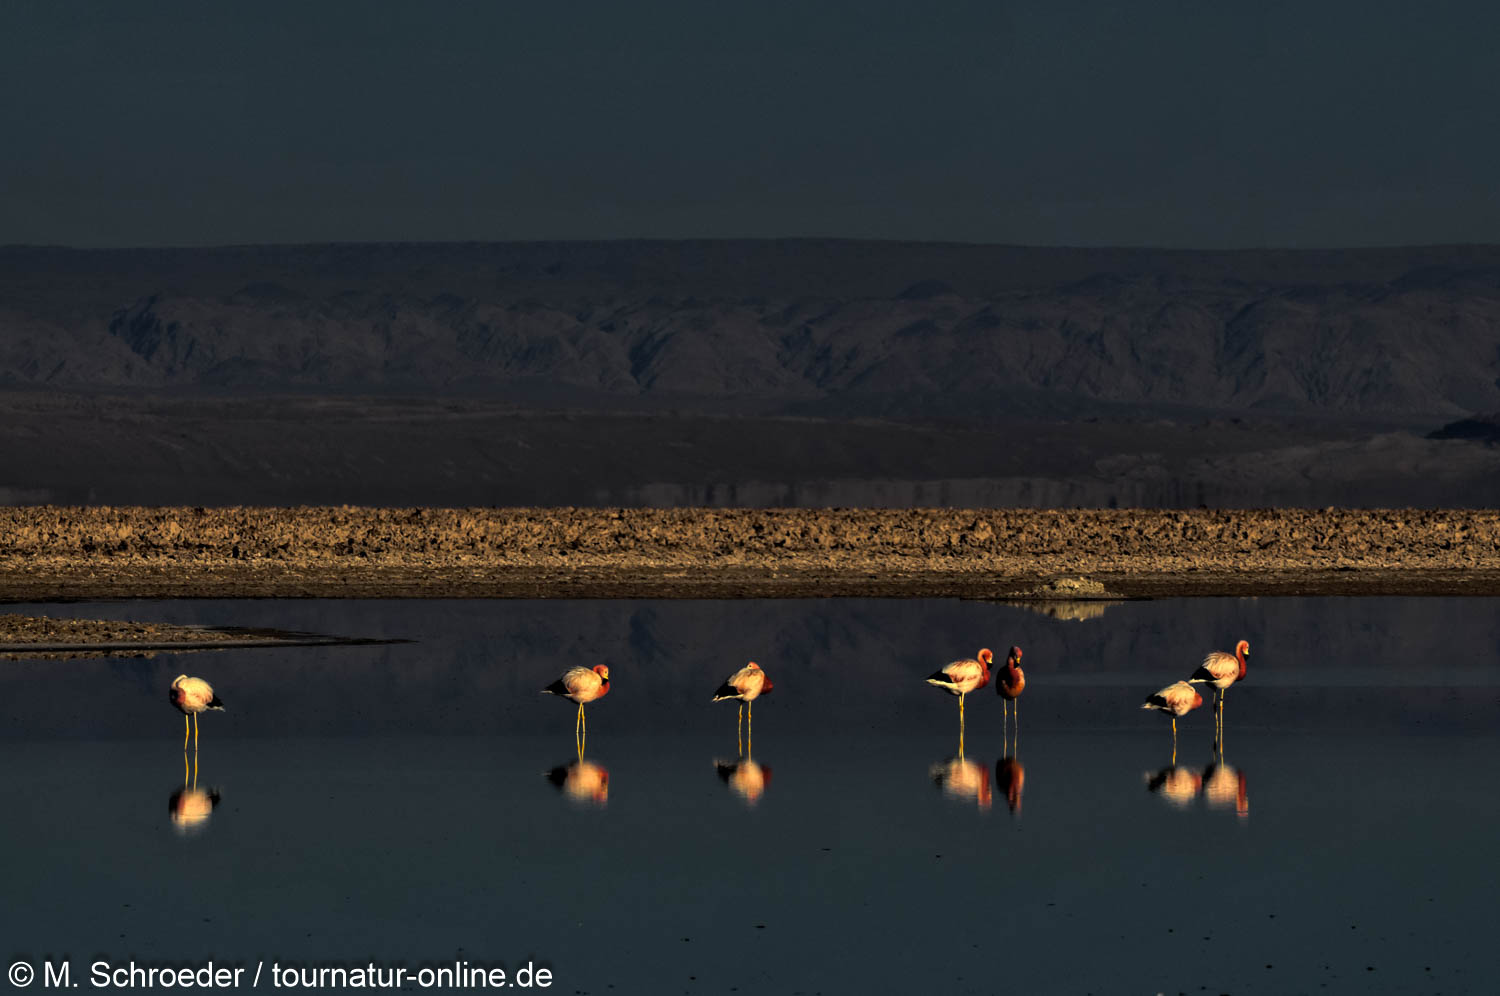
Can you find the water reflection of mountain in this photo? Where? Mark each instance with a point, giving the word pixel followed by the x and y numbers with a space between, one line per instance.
pixel 1077 610
pixel 477 666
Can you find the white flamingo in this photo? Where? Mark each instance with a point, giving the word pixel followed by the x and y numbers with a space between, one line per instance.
pixel 191 696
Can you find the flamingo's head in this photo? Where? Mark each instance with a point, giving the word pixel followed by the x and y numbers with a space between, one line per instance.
pixel 1197 700
pixel 1015 655
pixel 1242 649
pixel 753 665
pixel 985 657
pixel 602 670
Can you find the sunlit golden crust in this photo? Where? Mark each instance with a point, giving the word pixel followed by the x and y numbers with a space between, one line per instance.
pixel 963 676
pixel 1010 778
pixel 1178 699
pixel 747 684
pixel 961 778
pixel 1179 786
pixel 1222 670
pixel 747 779
pixel 191 695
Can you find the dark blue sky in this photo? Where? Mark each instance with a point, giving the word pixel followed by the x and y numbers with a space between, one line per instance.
pixel 1053 122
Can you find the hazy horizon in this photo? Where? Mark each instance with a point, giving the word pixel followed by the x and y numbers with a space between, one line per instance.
pixel 1341 123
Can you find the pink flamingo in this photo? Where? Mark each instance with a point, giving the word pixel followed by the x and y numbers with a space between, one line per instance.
pixel 582 685
pixel 1222 670
pixel 192 696
pixel 962 677
pixel 747 684
pixel 1010 683
pixel 1175 700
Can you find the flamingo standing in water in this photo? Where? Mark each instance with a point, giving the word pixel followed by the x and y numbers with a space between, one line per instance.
pixel 962 677
pixel 747 684
pixel 1010 683
pixel 582 685
pixel 191 696
pixel 1175 700
pixel 1222 670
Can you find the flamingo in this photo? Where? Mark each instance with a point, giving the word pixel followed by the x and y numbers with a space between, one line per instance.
pixel 746 778
pixel 747 684
pixel 962 677
pixel 1010 683
pixel 582 685
pixel 1222 670
pixel 1175 700
pixel 191 696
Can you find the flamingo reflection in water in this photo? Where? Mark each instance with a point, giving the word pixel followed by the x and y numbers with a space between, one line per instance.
pixel 190 806
pixel 1178 785
pixel 961 778
pixel 1225 786
pixel 1010 778
pixel 582 781
pixel 746 778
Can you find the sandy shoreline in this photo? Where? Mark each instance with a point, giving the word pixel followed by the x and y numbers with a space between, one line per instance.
pixel 49 553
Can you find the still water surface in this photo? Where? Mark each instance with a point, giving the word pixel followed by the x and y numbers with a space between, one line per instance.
pixel 420 803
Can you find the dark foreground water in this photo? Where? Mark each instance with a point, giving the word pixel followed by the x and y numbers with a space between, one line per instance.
pixel 419 804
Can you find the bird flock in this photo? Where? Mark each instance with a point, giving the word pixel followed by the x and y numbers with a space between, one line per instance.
pixel 583 685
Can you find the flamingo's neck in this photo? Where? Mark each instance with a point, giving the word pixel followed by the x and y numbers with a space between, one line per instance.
pixel 1239 653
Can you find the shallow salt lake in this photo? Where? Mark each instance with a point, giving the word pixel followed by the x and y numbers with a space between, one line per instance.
pixel 420 803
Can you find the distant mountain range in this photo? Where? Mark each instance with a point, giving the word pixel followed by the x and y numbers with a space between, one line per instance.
pixel 800 326
pixel 799 372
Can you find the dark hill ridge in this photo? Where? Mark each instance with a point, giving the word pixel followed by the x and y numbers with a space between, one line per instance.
pixel 841 326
